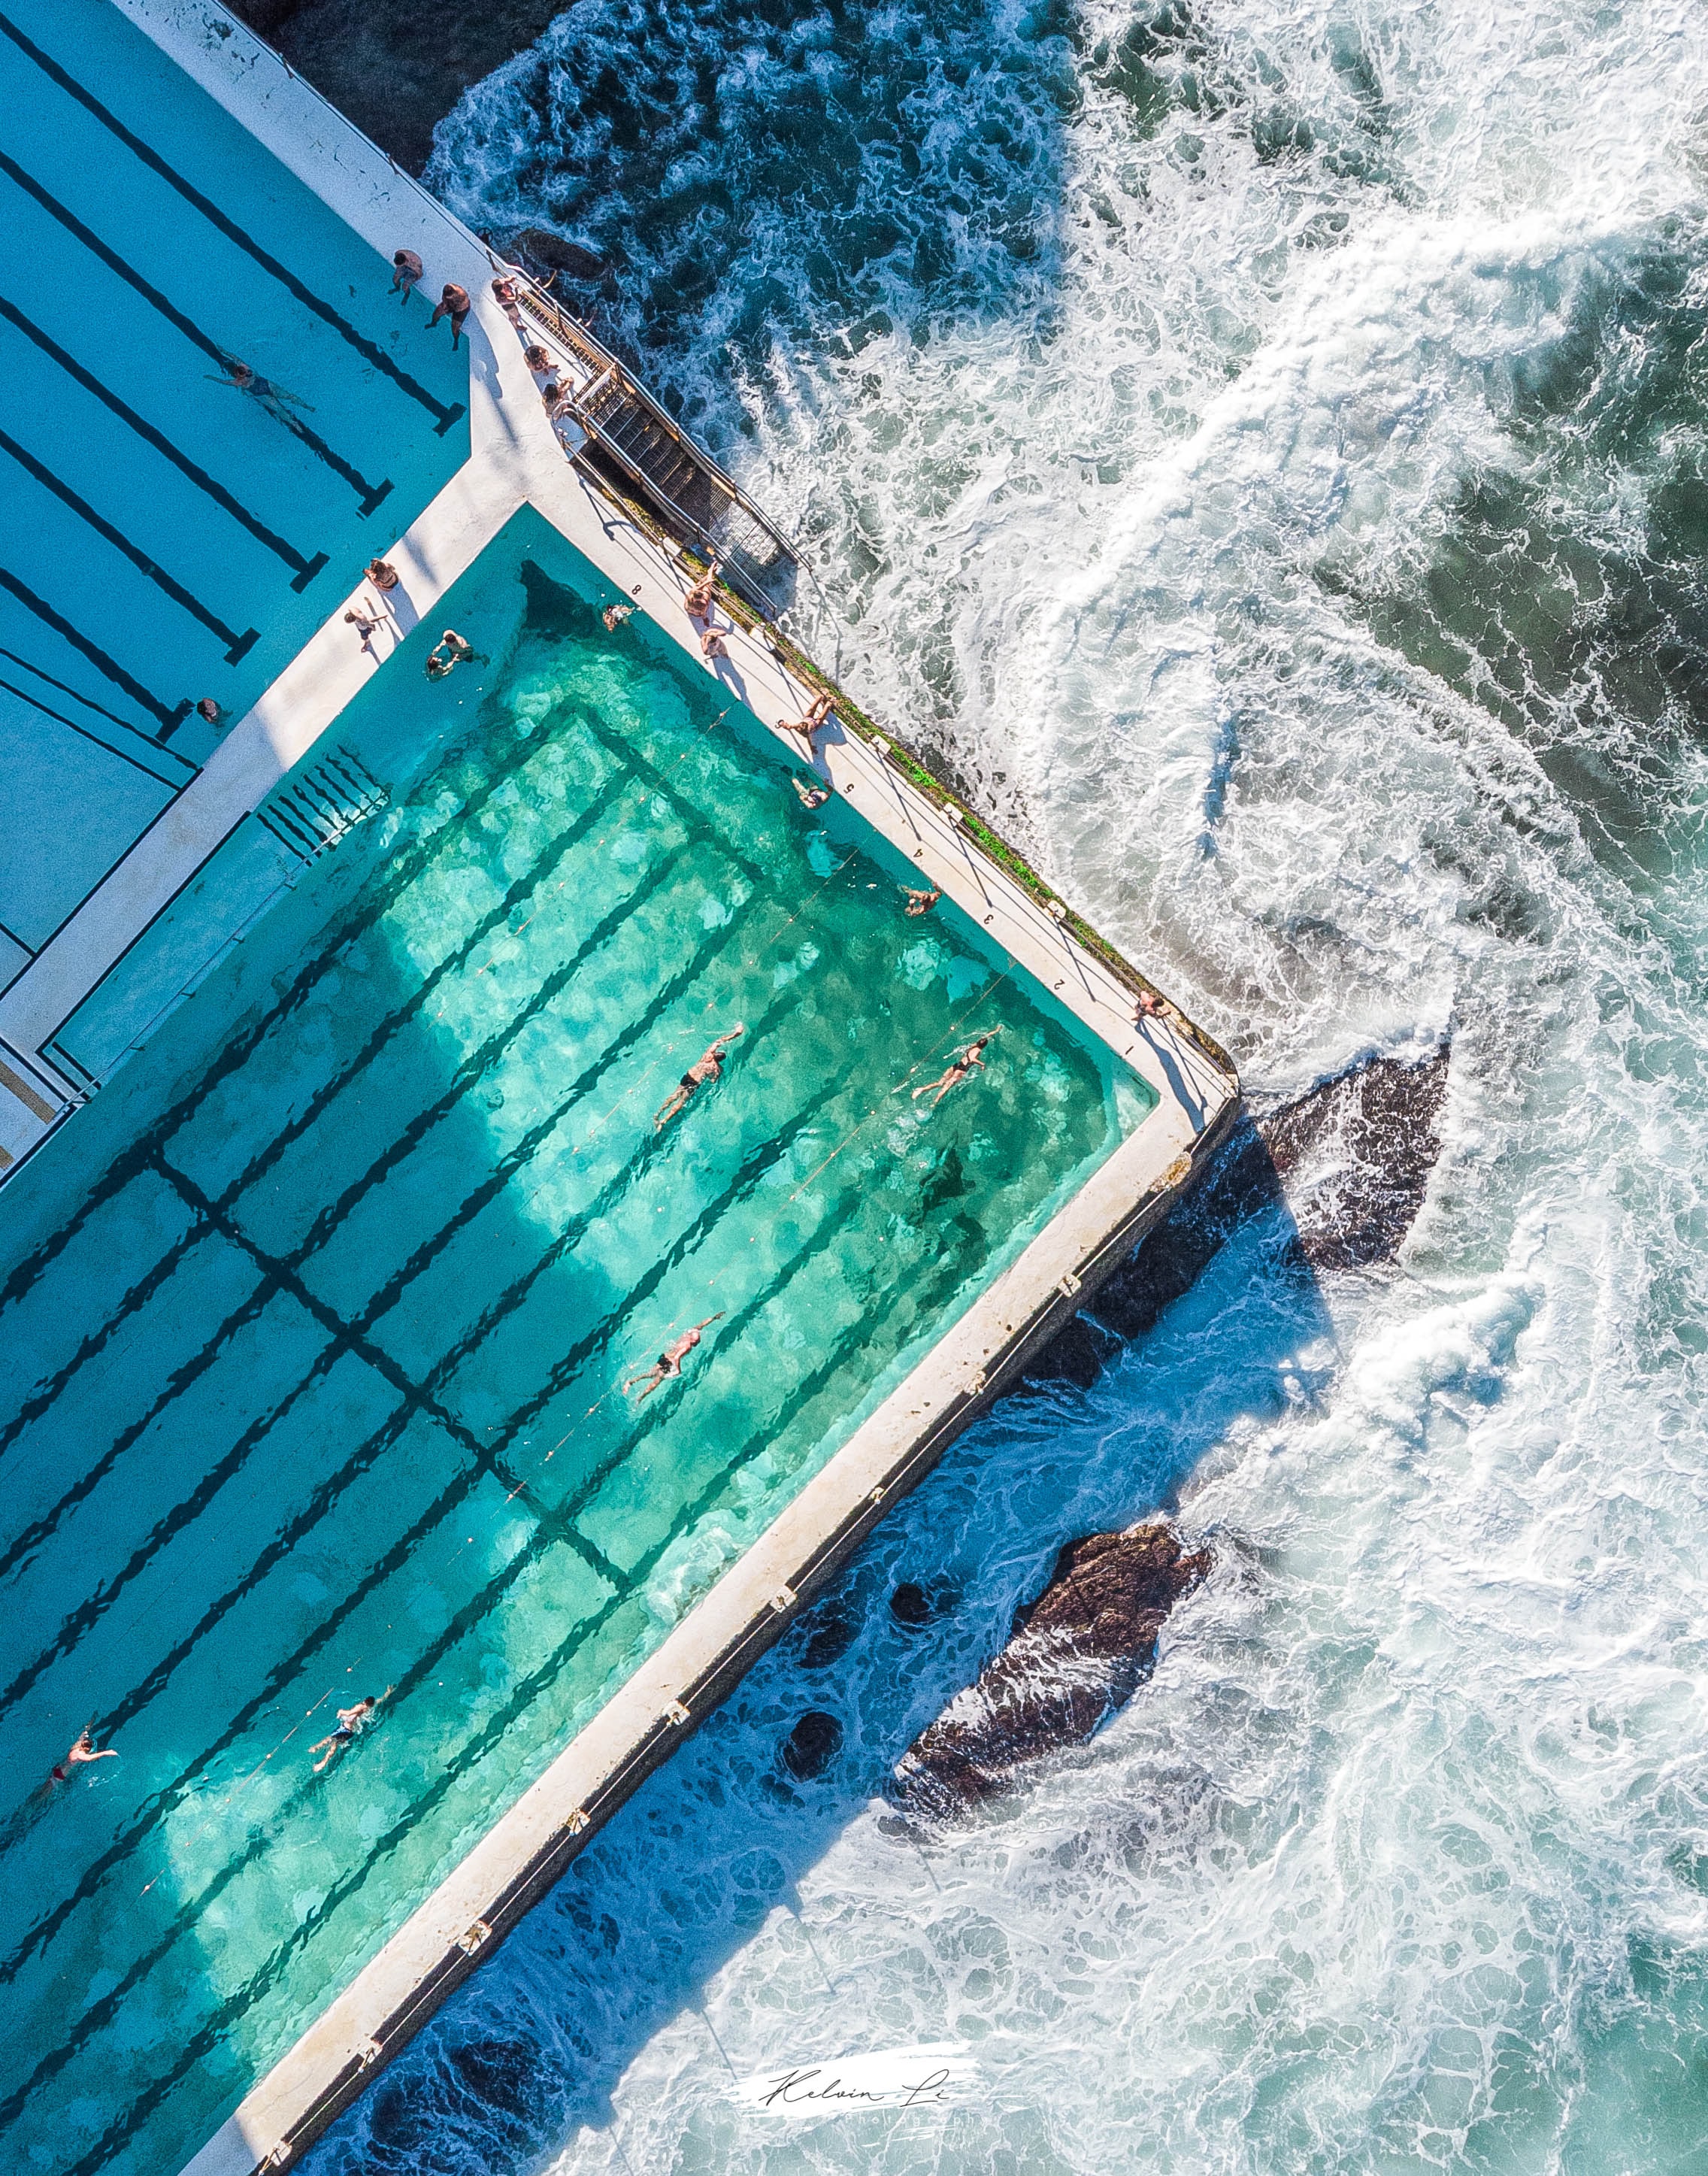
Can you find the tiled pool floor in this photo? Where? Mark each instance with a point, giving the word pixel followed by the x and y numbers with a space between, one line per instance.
pixel 318 1393
pixel 168 537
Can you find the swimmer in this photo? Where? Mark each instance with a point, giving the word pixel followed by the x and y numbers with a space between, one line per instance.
pixel 699 601
pixel 505 294
pixel 965 1063
pixel 82 1750
pixel 815 718
pixel 708 1066
pixel 210 711
pixel 669 1361
pixel 615 616
pixel 381 574
pixel 453 303
pixel 812 797
pixel 351 1722
pixel 449 651
pixel 919 902
pixel 406 270
pixel 278 403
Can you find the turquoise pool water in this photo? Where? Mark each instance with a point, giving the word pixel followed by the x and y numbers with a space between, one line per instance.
pixel 318 1330
pixel 168 537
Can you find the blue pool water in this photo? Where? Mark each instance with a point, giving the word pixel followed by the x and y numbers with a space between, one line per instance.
pixel 157 518
pixel 319 1320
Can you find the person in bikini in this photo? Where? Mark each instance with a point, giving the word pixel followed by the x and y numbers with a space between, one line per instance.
pixel 966 1061
pixel 668 1363
pixel 708 1066
pixel 81 1750
pixel 351 1724
pixel 699 601
pixel 815 720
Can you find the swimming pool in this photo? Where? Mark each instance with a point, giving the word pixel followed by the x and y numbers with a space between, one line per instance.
pixel 319 1389
pixel 169 538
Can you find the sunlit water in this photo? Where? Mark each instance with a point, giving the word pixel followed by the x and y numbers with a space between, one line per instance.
pixel 1261 449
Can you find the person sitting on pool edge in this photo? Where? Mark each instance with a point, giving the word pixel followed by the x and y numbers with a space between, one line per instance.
pixel 406 271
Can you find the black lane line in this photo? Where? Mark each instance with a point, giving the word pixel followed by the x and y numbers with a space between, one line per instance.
pixel 100 709
pixel 237 646
pixel 386 1568
pixel 377 895
pixel 370 494
pixel 172 784
pixel 307 569
pixel 522 1698
pixel 110 667
pixel 228 227
pixel 391 1025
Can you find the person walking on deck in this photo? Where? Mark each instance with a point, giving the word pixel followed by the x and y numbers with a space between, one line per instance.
pixel 668 1363
pixel 406 270
pixel 966 1062
pixel 453 303
pixel 351 1722
pixel 81 1751
pixel 708 1066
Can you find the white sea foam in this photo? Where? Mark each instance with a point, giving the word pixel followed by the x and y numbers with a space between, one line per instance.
pixel 1288 542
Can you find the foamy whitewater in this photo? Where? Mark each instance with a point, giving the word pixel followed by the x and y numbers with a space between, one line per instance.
pixel 1259 447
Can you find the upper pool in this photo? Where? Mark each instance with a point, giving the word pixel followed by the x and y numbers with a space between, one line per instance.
pixel 318 1321
pixel 167 536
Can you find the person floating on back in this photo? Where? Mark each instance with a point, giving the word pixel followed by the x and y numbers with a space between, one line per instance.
pixel 965 1062
pixel 406 270
pixel 919 902
pixel 351 1722
pixel 453 303
pixel 81 1750
pixel 669 1361
pixel 708 1066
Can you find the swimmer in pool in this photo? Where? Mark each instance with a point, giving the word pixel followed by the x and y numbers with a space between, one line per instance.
pixel 351 1722
pixel 966 1061
pixel 274 398
pixel 812 797
pixel 615 616
pixel 707 1067
pixel 82 1750
pixel 669 1361
pixel 919 902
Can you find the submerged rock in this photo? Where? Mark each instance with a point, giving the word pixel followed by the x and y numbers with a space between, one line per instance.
pixel 811 1745
pixel 1350 1161
pixel 1076 1655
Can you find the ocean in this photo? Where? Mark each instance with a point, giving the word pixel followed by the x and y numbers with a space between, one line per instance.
pixel 1258 450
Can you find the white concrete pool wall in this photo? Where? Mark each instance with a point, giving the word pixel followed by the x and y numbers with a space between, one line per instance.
pixel 516 459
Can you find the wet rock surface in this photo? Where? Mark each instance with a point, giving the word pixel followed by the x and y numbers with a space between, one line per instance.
pixel 1350 1162
pixel 1076 1655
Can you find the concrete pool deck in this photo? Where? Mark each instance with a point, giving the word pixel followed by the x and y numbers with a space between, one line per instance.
pixel 516 461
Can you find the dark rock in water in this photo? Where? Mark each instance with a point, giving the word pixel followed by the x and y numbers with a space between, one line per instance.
pixel 813 1744
pixel 1076 1655
pixel 829 1633
pixel 1075 1354
pixel 397 67
pixel 1350 1161
pixel 911 1605
pixel 541 251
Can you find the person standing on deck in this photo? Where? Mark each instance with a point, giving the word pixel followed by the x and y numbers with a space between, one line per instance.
pixel 406 270
pixel 453 303
pixel 669 1361
pixel 505 294
pixel 967 1061
pixel 708 1067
